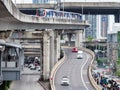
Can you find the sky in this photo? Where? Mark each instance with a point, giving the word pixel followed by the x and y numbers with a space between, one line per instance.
pixel 30 1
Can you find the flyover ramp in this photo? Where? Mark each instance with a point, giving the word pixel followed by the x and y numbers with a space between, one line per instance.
pixel 76 70
pixel 11 18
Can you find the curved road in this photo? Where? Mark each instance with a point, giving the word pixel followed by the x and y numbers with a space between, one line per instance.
pixel 76 70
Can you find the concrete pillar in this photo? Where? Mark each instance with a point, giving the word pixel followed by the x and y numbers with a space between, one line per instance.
pixel 69 35
pixel 79 38
pixel 52 50
pixel 54 47
pixel 58 46
pixel 0 66
pixel 46 56
pixel 117 17
pixel 56 34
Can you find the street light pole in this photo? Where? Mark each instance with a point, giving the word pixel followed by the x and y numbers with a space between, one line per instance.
pixel 63 7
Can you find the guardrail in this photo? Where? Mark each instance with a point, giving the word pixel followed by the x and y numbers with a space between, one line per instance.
pixel 95 85
pixel 53 72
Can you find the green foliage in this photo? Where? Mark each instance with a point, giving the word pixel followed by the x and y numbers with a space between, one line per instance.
pixel 89 38
pixel 118 61
pixel 8 83
pixel 117 73
pixel 62 37
pixel 6 88
pixel 101 61
pixel 118 68
pixel 118 36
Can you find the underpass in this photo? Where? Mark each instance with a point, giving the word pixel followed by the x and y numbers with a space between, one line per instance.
pixel 76 70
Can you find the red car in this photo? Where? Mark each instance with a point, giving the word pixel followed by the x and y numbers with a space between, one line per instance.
pixel 74 49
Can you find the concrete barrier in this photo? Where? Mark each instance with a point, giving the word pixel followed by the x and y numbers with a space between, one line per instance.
pixel 53 72
pixel 95 85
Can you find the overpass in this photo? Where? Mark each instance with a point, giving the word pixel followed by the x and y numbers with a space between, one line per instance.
pixel 79 7
pixel 11 18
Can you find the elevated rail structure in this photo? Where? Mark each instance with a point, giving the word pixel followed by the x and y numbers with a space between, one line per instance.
pixel 11 18
pixel 79 7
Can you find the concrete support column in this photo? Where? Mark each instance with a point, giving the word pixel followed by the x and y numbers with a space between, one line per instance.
pixel 46 56
pixel 117 17
pixel 58 46
pixel 56 34
pixel 52 50
pixel 79 38
pixel 69 35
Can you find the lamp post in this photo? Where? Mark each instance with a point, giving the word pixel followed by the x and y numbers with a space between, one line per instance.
pixel 63 7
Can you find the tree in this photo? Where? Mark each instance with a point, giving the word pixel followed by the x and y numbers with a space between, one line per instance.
pixel 89 38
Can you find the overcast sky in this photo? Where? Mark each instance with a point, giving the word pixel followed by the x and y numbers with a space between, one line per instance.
pixel 30 1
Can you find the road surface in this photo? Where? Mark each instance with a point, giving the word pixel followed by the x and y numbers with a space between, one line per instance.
pixel 76 70
pixel 28 82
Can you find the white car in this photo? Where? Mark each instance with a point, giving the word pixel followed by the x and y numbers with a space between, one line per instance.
pixel 80 52
pixel 65 81
pixel 79 56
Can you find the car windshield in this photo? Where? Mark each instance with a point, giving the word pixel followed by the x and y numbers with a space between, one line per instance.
pixel 80 51
pixel 65 78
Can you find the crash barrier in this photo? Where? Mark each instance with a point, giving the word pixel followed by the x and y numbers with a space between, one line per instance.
pixel 95 85
pixel 53 72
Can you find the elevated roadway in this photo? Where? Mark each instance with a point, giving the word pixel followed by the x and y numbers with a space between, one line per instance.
pixel 76 70
pixel 11 18
pixel 87 7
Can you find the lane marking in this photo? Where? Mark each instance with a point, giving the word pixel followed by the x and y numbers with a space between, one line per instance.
pixel 87 82
pixel 82 74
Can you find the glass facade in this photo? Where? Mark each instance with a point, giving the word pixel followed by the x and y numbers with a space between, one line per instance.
pixel 98 27
pixel 104 25
pixel 91 31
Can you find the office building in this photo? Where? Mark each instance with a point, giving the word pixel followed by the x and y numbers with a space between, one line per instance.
pixel 98 28
pixel 91 31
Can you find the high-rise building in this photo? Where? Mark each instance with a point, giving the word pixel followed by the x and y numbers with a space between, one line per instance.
pixel 91 31
pixel 98 28
pixel 102 26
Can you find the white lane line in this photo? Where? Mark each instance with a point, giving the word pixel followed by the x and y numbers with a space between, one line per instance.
pixel 82 74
